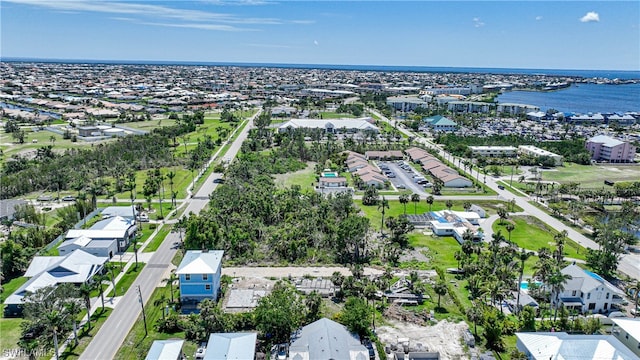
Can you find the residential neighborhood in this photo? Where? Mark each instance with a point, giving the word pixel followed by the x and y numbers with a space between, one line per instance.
pixel 236 212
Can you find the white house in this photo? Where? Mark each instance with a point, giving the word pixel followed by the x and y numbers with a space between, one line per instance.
pixel 535 151
pixel 627 330
pixel 77 267
pixel 586 292
pixel 231 346
pixel 560 345
pixel 330 125
pixel 114 233
pixel 199 273
pixel 456 224
pixel 166 350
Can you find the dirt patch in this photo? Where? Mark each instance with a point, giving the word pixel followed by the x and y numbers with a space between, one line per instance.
pixel 444 337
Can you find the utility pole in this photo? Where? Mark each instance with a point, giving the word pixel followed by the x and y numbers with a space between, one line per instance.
pixel 144 317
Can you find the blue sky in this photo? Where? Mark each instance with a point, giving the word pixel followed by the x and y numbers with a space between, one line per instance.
pixel 504 34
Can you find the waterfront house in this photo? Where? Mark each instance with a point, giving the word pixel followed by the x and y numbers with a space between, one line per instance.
pixel 199 274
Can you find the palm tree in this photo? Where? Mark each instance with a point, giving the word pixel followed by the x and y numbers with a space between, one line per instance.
pixel 440 288
pixel 415 199
pixel 559 253
pixel 557 281
pixel 134 243
pixel 474 314
pixel 384 204
pixel 448 204
pixel 85 292
pixel 636 295
pixel 522 256
pixel 53 320
pixel 502 213
pixel 73 309
pixel 171 280
pixel 429 201
pixel 170 175
pixel 98 284
pixel 466 205
pixel 404 200
pixel 510 227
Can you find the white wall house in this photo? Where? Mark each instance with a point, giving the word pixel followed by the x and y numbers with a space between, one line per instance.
pixel 586 292
pixel 628 332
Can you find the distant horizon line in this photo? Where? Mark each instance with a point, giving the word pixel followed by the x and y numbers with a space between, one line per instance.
pixel 373 67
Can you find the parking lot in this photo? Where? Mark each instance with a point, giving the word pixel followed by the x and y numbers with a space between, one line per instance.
pixel 403 176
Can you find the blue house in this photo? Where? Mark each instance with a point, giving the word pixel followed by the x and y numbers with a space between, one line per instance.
pixel 199 274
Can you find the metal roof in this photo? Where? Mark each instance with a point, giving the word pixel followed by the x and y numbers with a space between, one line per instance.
pixel 165 350
pixel 200 262
pixel 231 346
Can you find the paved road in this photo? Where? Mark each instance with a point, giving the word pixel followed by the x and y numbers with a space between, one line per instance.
pixel 117 326
pixel 629 263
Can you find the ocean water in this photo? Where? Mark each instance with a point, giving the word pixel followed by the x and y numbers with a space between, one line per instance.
pixel 580 98
pixel 608 74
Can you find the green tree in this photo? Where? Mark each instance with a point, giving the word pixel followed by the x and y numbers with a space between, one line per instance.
pixel 415 199
pixel 313 304
pixel 440 288
pixel 171 280
pixel 523 256
pixel 382 207
pixel 557 281
pixel 279 313
pixel 370 196
pixel 493 330
pixel 356 316
pixel 429 201
pixel 404 200
pixel 448 204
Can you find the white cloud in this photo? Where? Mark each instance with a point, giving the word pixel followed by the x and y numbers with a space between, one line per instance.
pixel 477 23
pixel 591 16
pixel 315 42
pixel 538 18
pixel 147 10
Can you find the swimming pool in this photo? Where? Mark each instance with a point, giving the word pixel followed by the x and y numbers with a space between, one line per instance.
pixel 329 174
pixel 525 284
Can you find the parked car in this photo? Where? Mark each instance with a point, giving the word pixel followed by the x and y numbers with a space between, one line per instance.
pixel 143 217
pixel 401 186
pixel 218 181
pixel 500 187
pixel 68 198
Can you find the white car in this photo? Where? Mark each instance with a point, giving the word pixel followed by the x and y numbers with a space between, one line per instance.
pixel 143 217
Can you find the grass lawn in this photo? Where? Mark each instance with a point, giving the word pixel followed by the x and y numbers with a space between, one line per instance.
pixel 335 115
pixel 395 208
pixel 305 178
pixel 125 281
pixel 158 239
pixel 146 229
pixel 591 176
pixel 136 344
pixel 532 234
pixel 9 328
pixel 84 338
pixel 150 124
pixel 43 138
pixel 9 287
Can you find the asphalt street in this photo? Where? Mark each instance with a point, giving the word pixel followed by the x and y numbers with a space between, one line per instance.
pixel 109 338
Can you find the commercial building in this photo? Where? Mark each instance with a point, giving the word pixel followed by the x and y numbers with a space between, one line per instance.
pixel 468 107
pixel 406 103
pixel 440 123
pixel 516 109
pixel 494 151
pixel 332 126
pixel 606 148
pixel 535 151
